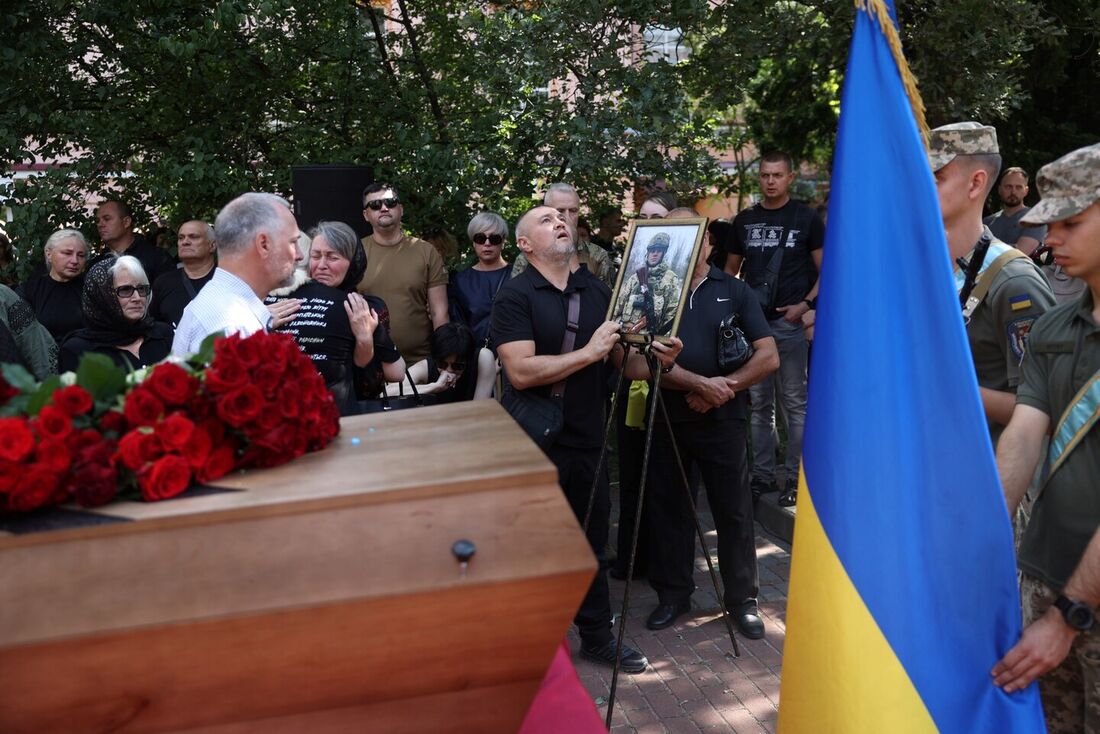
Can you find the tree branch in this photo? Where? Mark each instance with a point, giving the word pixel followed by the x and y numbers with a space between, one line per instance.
pixel 425 77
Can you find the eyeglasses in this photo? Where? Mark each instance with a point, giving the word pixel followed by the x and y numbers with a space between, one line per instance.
pixel 376 204
pixel 494 239
pixel 444 365
pixel 125 291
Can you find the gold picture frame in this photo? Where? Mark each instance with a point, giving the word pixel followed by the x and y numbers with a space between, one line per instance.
pixel 662 296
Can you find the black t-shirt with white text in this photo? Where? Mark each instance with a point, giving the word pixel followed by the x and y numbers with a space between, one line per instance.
pixel 323 332
pixel 758 231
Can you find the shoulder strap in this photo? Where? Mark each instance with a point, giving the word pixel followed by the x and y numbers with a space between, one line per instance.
pixel 187 284
pixel 986 281
pixel 1077 420
pixel 570 338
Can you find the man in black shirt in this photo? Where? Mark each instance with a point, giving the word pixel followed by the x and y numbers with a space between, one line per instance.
pixel 173 290
pixel 777 248
pixel 529 325
pixel 115 224
pixel 707 410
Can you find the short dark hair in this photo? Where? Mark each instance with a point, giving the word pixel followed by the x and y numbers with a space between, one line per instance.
pixel 124 209
pixel 778 156
pixel 1015 169
pixel 374 188
pixel 452 338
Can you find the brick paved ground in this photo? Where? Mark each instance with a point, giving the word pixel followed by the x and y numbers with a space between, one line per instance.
pixel 694 683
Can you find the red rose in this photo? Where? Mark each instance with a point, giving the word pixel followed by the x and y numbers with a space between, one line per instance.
pixel 249 351
pixel 137 448
pixel 241 405
pixel 221 461
pixel 215 428
pixel 167 477
pixel 268 378
pixel 99 453
pixel 268 418
pixel 34 489
pixel 225 377
pixel 16 439
pixel 53 423
pixel 175 431
pixel 73 400
pixel 198 448
pixel 95 485
pixel 143 408
pixel 52 454
pixel 172 384
pixel 9 475
pixel 112 421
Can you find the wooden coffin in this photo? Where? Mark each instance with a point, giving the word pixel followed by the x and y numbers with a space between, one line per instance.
pixel 321 596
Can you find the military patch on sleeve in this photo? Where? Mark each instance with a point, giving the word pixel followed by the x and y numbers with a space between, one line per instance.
pixel 1020 302
pixel 1018 332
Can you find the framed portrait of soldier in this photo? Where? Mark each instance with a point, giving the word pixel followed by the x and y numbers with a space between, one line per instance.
pixel 655 277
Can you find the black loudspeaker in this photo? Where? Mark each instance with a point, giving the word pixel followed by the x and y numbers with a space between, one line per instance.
pixel 330 192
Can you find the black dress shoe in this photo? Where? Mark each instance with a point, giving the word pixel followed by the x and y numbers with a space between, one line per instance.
pixel 631 661
pixel 665 614
pixel 750 622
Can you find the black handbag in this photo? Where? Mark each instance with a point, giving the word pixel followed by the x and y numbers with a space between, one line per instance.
pixel 384 403
pixel 542 418
pixel 734 348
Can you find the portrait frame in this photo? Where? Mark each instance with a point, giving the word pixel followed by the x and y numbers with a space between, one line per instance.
pixel 629 302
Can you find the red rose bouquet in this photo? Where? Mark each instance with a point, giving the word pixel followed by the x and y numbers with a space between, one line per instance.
pixel 242 402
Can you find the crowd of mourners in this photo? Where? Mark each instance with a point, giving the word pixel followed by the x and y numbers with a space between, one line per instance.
pixel 383 321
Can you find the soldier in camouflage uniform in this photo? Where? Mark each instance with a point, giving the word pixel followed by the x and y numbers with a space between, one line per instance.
pixel 965 160
pixel 564 198
pixel 649 296
pixel 1059 555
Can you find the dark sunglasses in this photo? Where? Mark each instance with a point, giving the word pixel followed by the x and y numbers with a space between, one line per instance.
pixel 377 203
pixel 452 366
pixel 494 239
pixel 125 291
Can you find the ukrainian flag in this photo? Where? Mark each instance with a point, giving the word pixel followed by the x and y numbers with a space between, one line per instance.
pixel 903 582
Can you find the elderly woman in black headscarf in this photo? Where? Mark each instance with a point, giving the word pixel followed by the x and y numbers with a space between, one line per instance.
pixel 115 302
pixel 343 332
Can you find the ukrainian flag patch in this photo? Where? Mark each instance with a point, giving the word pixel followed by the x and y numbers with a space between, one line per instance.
pixel 1020 302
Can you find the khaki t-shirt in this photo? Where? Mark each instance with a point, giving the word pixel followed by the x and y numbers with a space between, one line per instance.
pixel 401 275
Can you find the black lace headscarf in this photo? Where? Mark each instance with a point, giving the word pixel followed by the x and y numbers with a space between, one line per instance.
pixel 106 323
pixel 343 239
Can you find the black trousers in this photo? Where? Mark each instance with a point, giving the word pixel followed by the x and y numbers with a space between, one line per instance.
pixel 576 470
pixel 717 448
pixel 631 452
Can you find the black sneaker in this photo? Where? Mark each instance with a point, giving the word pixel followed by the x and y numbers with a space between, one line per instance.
pixel 790 495
pixel 631 661
pixel 759 487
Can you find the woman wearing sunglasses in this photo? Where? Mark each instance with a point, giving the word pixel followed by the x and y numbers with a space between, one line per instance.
pixel 472 290
pixel 115 301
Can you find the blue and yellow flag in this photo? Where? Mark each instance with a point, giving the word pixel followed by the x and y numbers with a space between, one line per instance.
pixel 903 583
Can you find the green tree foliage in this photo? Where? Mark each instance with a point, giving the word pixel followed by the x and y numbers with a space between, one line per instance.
pixel 782 64
pixel 202 100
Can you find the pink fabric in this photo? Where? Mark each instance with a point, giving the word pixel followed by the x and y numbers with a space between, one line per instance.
pixel 562 704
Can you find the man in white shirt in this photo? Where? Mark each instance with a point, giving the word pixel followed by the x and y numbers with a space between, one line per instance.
pixel 258 247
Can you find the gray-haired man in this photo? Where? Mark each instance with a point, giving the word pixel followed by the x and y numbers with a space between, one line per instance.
pixel 258 246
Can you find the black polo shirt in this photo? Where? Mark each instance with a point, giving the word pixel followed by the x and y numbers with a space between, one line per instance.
pixel 717 297
pixel 530 308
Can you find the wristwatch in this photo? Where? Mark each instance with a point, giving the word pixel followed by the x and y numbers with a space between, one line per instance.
pixel 811 304
pixel 1079 616
pixel 666 370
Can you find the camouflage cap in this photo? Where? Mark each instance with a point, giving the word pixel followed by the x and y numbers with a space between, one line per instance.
pixel 960 138
pixel 1067 186
pixel 659 242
